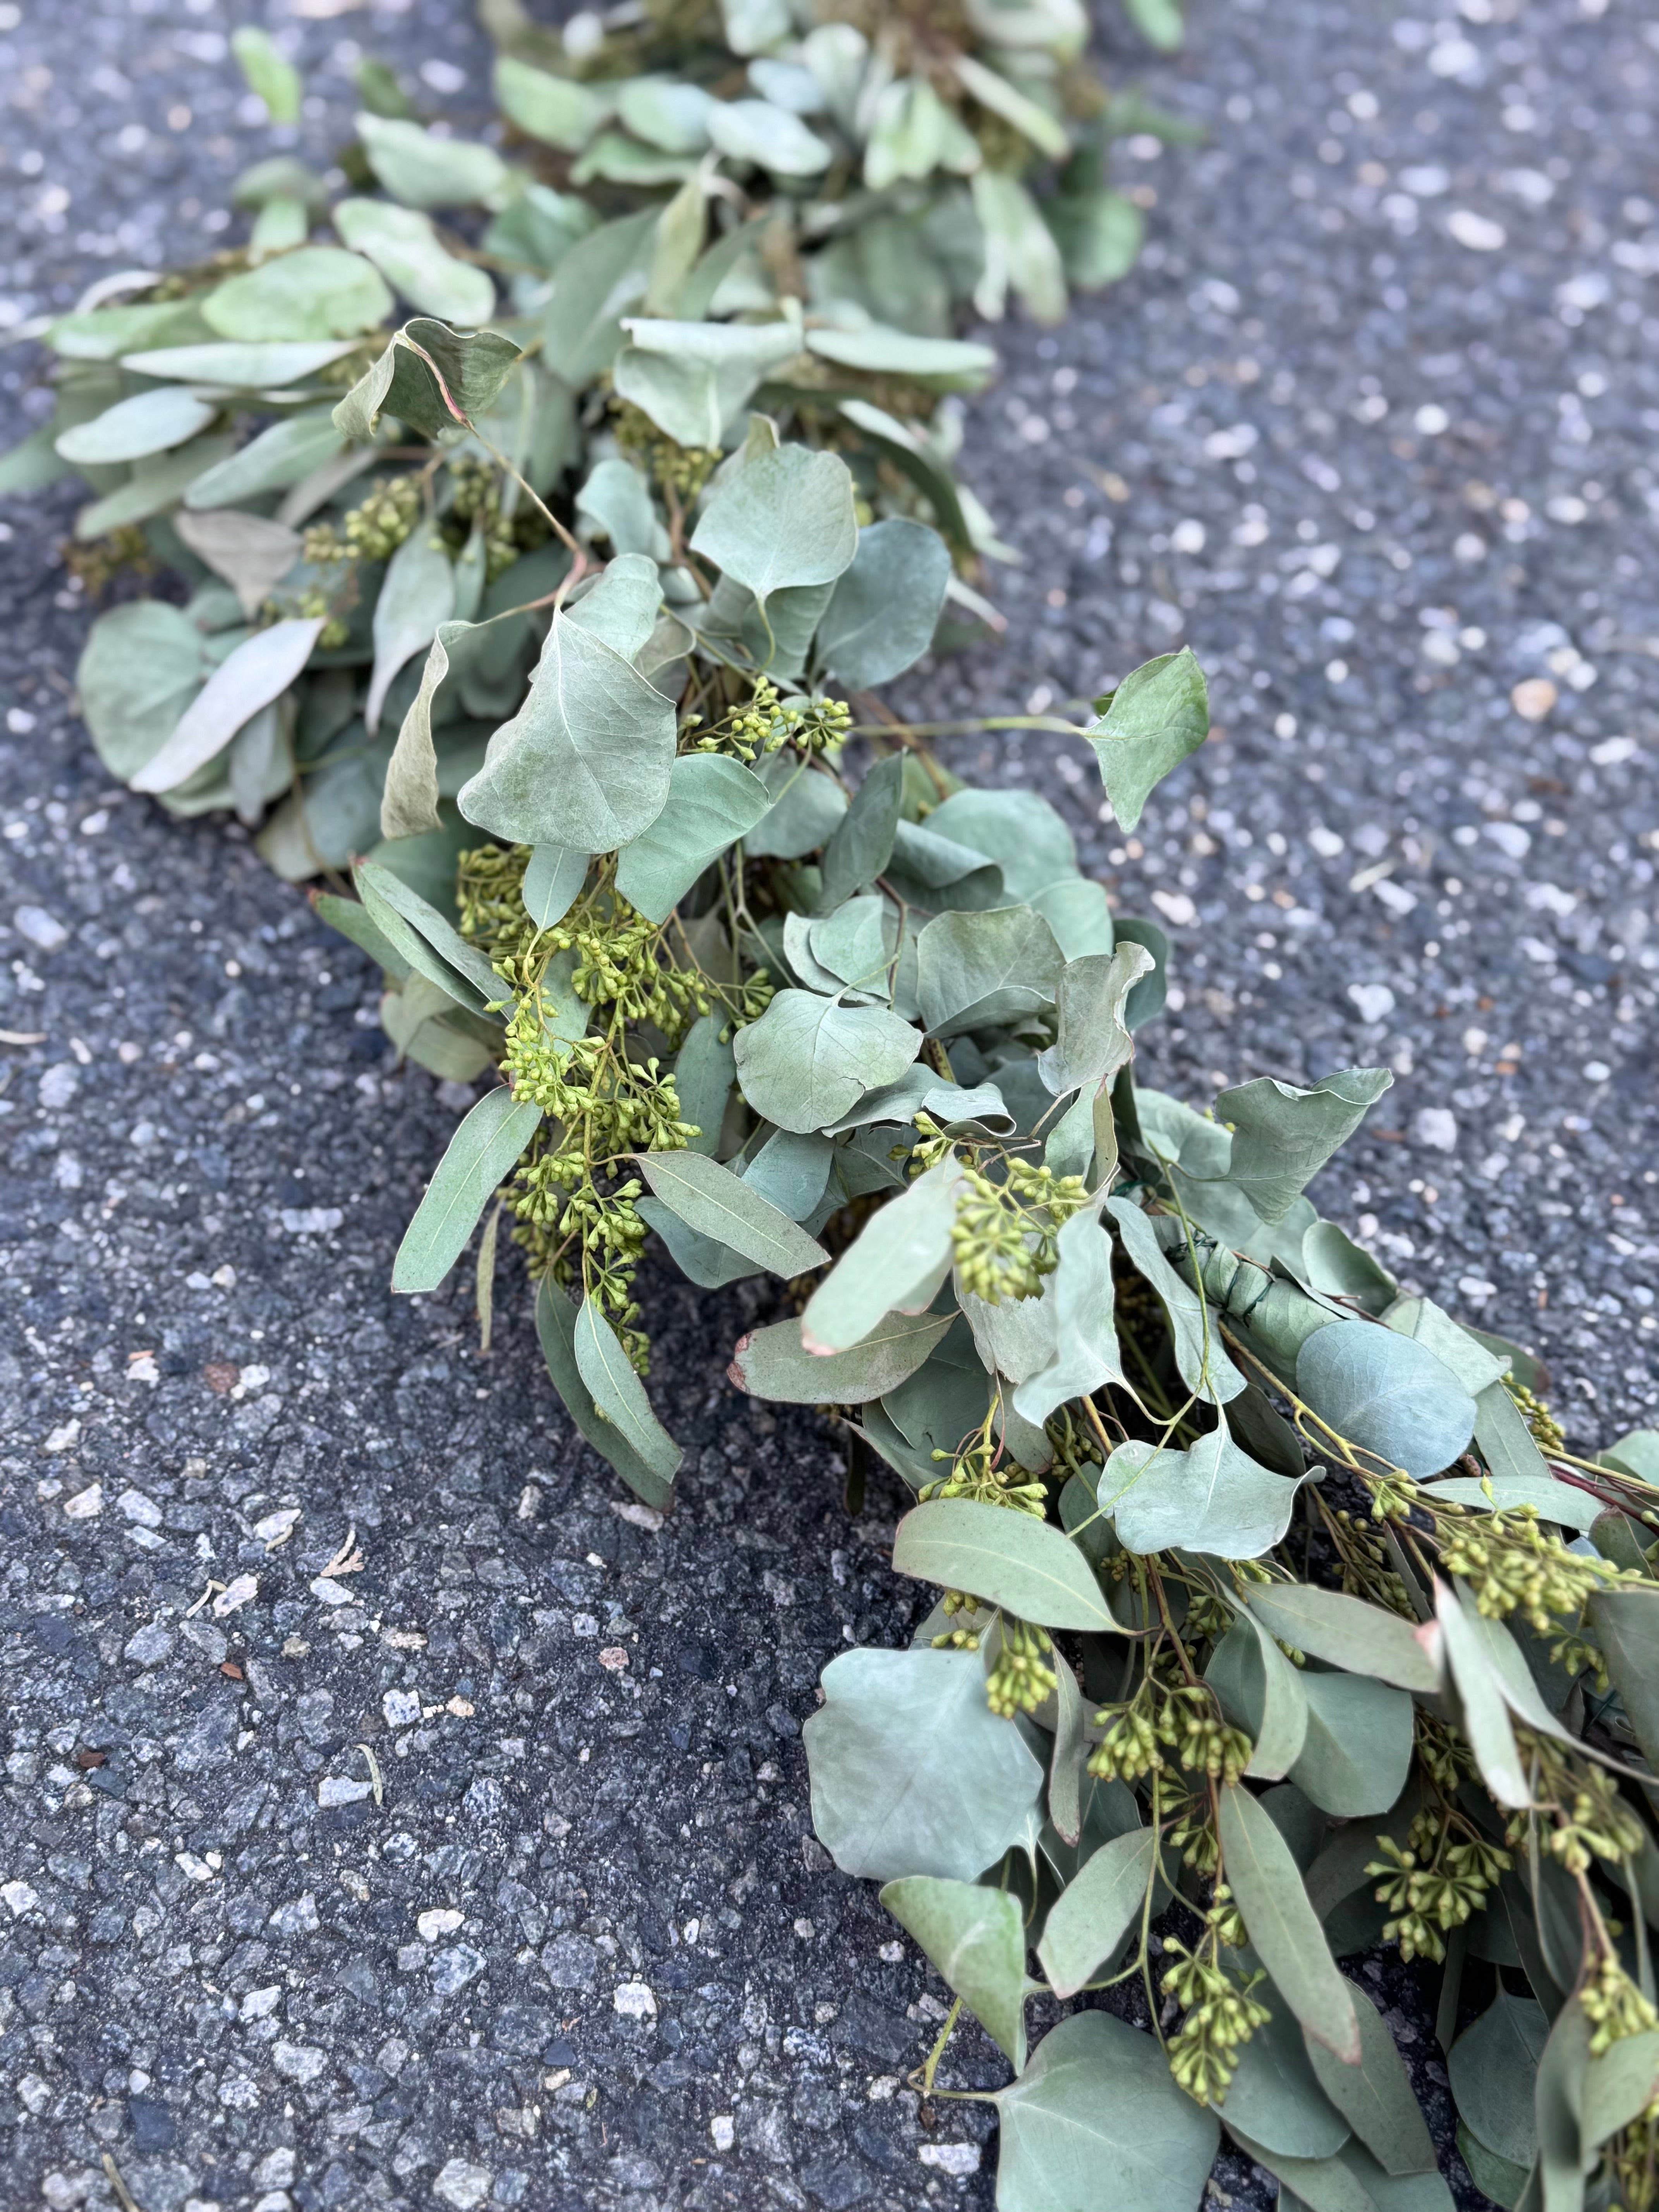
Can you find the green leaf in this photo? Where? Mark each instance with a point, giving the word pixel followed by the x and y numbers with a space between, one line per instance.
pixel 552 883
pixel 1158 714
pixel 555 1326
pixel 426 940
pixel 1358 1750
pixel 1376 2096
pixel 1282 1136
pixel 712 802
pixel 555 109
pixel 1019 250
pixel 1021 832
pixel 720 1205
pixel 1261 1693
pixel 1099 234
pixel 704 1072
pixel 1200 1355
pixel 1274 2097
pixel 409 800
pixel 1347 1632
pixel 806 806
pixel 598 281
pixel 586 760
pixel 771 137
pixel 1090 1917
pixel 862 843
pixel 404 247
pixel 144 664
pixel 1005 1557
pixel 1159 22
pixel 1086 1351
pixel 284 454
pixel 1385 1394
pixel 1095 2119
pixel 484 1150
pixel 619 1396
pixel 692 377
pixel 417 596
pixel 1485 1720
pixel 1212 1497
pixel 251 554
pixel 1636 1454
pixel 1494 2176
pixel 993 91
pixel 1620 2086
pixel 671 116
pixel 131 431
pixel 316 292
pixel 792 1172
pixel 266 72
pixel 772 1362
pixel 702 1259
pixel 430 377
pixel 808 1059
pixel 1558 2104
pixel 424 171
pixel 260 670
pixel 886 606
pixel 975 1937
pixel 985 970
pixel 620 607
pixel 242 368
pixel 1626 1625
pixel 1283 1926
pixel 783 520
pixel 911 1772
pixel 896 1263
pixel 1093 1041
pixel 32 464
pixel 958 364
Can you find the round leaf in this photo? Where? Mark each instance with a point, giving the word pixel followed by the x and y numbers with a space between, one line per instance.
pixel 1387 1394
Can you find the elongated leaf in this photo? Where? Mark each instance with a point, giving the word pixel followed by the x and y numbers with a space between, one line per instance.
pixel 1086 1351
pixel 1558 2104
pixel 898 1261
pixel 557 110
pixel 1492 2066
pixel 149 422
pixel 481 1151
pixel 783 520
pixel 260 670
pixel 911 1772
pixel 712 803
pixel 552 883
pixel 1283 1925
pixel 555 1327
pixel 316 292
pixel 1090 999
pixel 586 761
pixel 1158 714
pixel 720 1205
pixel 1020 249
pixel 1089 1920
pixel 1376 2096
pixel 251 554
pixel 242 368
pixel 976 1938
pixel 992 90
pixel 268 73
pixel 1620 2086
pixel 1486 1721
pixel 282 455
pixel 1348 1632
pixel 1007 1558
pixel 409 800
pixel 404 247
pixel 426 940
pixel 808 1059
pixel 985 970
pixel 772 1362
pixel 704 1073
pixel 862 841
pixel 1387 1394
pixel 1095 2119
pixel 1261 1693
pixel 424 171
pixel 598 282
pixel 1274 2098
pixel 1200 1354
pixel 756 131
pixel 1626 1624
pixel 417 596
pixel 619 1396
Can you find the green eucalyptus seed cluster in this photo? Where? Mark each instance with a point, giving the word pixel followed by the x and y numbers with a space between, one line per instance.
pixel 767 721
pixel 1614 2006
pixel 1587 1817
pixel 1021 1676
pixel 982 1470
pixel 475 502
pixel 1003 1238
pixel 682 470
pixel 1512 1565
pixel 1436 1880
pixel 377 526
pixel 1547 1432
pixel 1183 1720
pixel 1222 2014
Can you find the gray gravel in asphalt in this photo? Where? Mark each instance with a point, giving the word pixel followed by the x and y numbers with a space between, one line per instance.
pixel 1379 470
